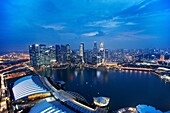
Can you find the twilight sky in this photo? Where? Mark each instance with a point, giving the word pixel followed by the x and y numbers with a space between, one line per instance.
pixel 118 23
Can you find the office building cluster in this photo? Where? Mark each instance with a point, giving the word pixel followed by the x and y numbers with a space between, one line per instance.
pixel 97 56
pixel 41 55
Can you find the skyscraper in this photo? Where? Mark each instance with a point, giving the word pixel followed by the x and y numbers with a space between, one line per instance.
pixel 58 53
pixel 47 57
pixel 81 50
pixel 34 55
pixel 101 46
pixel 63 53
pixel 42 54
pixel 106 55
pixel 101 51
pixel 52 54
pixel 68 52
pixel 95 48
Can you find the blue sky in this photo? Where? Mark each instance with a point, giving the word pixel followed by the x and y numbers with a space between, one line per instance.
pixel 118 23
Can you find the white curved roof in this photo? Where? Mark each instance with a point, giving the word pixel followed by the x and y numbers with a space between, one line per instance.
pixel 26 86
pixel 47 107
pixel 162 68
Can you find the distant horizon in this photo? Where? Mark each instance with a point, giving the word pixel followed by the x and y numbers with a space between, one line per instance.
pixel 86 47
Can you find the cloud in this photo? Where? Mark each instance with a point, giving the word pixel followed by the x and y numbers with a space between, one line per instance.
pixel 131 32
pixel 110 23
pixel 54 27
pixel 145 8
pixel 105 24
pixel 146 3
pixel 130 23
pixel 91 34
pixel 133 35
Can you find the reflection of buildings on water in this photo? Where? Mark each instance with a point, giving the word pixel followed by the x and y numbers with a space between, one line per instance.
pixel 102 76
pixel 75 73
pixel 81 77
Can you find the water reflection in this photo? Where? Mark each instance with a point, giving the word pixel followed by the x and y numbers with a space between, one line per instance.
pixel 98 74
pixel 128 88
pixel 72 77
pixel 82 77
pixel 75 73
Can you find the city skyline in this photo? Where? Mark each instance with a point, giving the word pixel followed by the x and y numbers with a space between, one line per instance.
pixel 84 56
pixel 119 24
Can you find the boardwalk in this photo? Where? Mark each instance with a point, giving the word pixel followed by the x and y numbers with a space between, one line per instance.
pixel 138 69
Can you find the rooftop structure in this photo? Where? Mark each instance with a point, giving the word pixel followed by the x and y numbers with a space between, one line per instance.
pixel 27 86
pixel 50 107
pixel 147 109
pixel 101 101
pixel 163 69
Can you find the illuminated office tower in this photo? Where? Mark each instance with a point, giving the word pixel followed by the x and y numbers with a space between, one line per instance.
pixel 34 55
pixel 101 46
pixel 81 50
pixel 99 60
pixel 68 52
pixel 106 55
pixel 47 57
pixel 52 54
pixel 42 54
pixel 95 48
pixel 63 53
pixel 94 60
pixel 101 51
pixel 58 53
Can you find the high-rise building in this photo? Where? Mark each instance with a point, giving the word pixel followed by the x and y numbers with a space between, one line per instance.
pixel 88 56
pixel 47 57
pixel 42 54
pixel 81 51
pixel 52 54
pixel 68 52
pixel 31 53
pixel 94 60
pixel 34 55
pixel 101 51
pixel 99 59
pixel 63 53
pixel 106 55
pixel 101 46
pixel 58 53
pixel 95 48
